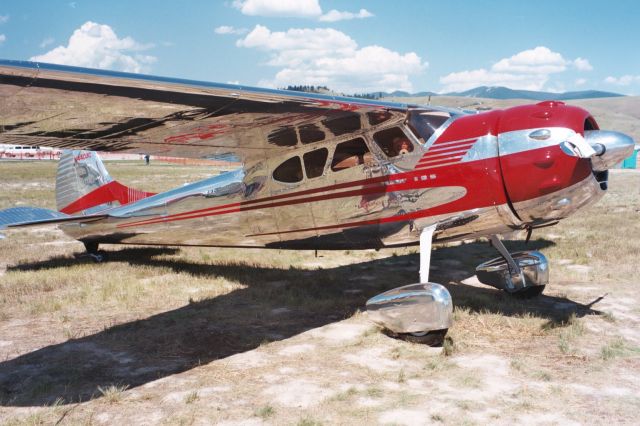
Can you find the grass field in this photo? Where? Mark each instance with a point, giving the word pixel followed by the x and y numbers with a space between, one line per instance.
pixel 226 336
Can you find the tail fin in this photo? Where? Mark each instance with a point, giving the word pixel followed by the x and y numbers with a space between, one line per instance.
pixel 83 185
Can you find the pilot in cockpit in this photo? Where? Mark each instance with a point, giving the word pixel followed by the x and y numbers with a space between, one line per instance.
pixel 400 146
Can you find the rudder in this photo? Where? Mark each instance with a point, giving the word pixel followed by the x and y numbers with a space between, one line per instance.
pixel 83 185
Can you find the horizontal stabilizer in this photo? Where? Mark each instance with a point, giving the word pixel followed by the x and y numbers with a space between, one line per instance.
pixel 18 217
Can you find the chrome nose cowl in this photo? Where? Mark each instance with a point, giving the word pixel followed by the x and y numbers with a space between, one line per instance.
pixel 610 148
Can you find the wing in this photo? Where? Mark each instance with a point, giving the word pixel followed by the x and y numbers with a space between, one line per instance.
pixel 77 108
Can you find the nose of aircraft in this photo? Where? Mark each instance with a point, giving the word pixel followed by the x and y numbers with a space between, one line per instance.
pixel 554 160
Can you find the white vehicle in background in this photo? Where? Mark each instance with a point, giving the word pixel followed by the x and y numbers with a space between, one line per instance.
pixel 26 151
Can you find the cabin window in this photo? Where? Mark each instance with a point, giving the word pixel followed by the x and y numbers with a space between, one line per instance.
pixel 348 123
pixel 290 171
pixel 310 133
pixel 378 116
pixel 314 162
pixel 350 154
pixel 284 136
pixel 393 142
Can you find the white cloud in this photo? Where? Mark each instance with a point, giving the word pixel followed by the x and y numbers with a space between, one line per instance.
pixel 4 19
pixel 528 70
pixel 279 8
pixel 226 29
pixel 580 82
pixel 46 42
pixel 335 15
pixel 540 60
pixel 325 56
pixel 296 9
pixel 97 46
pixel 582 64
pixel 625 80
pixel 3 38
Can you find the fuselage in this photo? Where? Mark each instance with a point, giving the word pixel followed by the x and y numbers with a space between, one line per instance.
pixel 374 181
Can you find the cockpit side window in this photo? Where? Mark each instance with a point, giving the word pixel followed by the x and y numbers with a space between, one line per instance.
pixel 283 136
pixel 393 142
pixel 290 171
pixel 310 133
pixel 424 124
pixel 350 154
pixel 314 162
pixel 343 123
pixel 378 116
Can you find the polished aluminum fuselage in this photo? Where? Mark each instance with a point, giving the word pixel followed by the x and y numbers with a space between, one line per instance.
pixel 385 202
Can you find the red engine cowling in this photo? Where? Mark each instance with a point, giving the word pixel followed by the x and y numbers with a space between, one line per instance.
pixel 543 182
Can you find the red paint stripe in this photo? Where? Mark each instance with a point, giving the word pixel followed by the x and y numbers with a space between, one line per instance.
pixel 449 149
pixel 112 191
pixel 441 142
pixel 178 215
pixel 458 153
pixel 433 166
pixel 441 159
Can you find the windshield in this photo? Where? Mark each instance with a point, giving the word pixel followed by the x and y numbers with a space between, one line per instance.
pixel 425 123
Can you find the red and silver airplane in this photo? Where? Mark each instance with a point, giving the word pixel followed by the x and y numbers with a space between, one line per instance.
pixel 318 172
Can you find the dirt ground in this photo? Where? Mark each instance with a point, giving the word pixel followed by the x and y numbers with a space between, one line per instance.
pixel 243 337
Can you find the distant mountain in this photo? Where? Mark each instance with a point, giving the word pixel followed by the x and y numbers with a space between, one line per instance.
pixel 499 92
pixel 487 92
pixel 402 94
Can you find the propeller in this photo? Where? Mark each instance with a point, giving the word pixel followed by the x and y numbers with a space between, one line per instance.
pixel 605 148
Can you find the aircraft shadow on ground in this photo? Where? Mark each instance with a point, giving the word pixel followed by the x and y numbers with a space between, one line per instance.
pixel 275 304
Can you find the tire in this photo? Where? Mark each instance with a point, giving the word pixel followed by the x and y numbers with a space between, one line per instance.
pixel 99 257
pixel 528 292
pixel 430 338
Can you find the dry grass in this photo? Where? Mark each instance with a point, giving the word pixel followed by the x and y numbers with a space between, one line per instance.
pixel 176 336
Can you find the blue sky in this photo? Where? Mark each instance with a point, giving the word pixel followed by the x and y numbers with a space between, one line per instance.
pixel 354 46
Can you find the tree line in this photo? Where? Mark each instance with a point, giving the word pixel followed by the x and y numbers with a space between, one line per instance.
pixel 324 89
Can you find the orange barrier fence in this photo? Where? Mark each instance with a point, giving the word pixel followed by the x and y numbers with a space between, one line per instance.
pixel 39 155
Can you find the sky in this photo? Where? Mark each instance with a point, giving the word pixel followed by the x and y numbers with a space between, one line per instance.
pixel 349 46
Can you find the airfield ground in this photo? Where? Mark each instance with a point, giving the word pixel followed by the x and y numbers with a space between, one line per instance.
pixel 200 336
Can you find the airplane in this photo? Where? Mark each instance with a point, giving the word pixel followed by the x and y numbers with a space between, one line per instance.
pixel 317 172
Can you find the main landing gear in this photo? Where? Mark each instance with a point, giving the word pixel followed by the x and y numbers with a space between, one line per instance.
pixel 423 312
pixel 420 313
pixel 522 274
pixel 93 253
